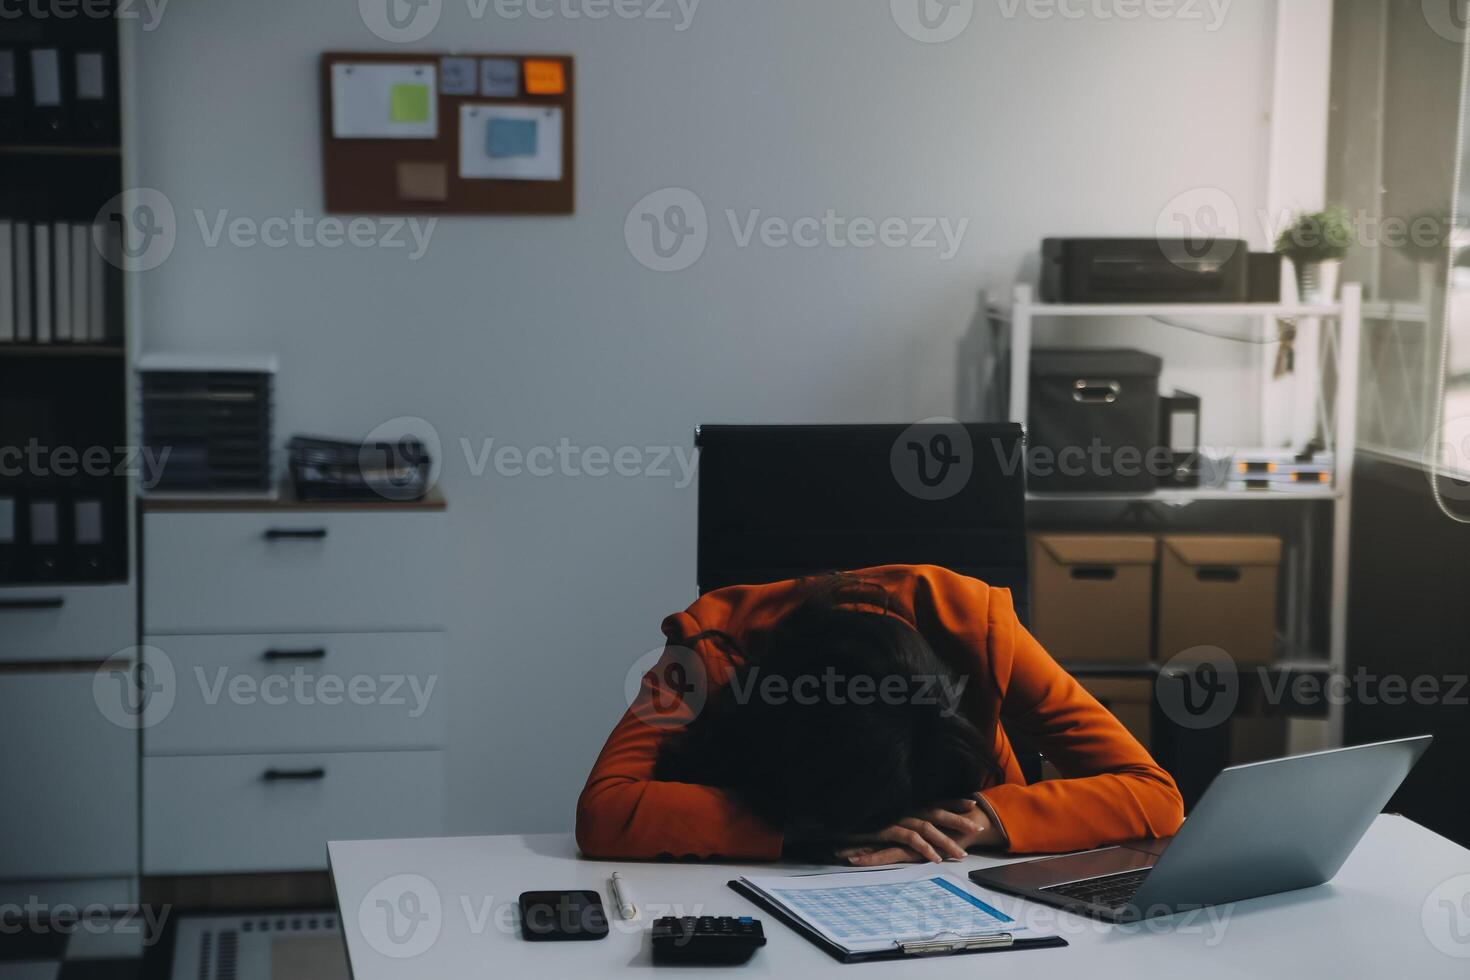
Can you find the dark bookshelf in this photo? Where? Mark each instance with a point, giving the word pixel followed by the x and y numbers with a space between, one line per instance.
pixel 64 465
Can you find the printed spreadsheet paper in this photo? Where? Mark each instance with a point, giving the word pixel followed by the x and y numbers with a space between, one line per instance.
pixel 870 911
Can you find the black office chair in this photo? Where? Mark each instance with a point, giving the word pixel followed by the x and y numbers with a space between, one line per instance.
pixel 778 502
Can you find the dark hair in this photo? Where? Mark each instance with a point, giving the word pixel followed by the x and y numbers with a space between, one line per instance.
pixel 839 756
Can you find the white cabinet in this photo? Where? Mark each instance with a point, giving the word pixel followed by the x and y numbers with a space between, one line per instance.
pixel 243 813
pixel 300 653
pixel 312 570
pixel 70 778
pixel 282 692
pixel 66 622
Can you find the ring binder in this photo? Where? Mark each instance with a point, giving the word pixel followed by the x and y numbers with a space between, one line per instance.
pixel 939 946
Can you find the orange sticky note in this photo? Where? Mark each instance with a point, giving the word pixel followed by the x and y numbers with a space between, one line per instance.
pixel 545 78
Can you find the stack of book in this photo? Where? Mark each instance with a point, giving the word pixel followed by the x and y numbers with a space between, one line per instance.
pixel 1281 471
pixel 60 282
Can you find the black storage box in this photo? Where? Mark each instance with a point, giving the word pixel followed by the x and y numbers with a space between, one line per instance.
pixel 1094 421
pixel 1144 270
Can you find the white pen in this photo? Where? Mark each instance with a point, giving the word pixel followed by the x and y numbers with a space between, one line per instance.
pixel 623 898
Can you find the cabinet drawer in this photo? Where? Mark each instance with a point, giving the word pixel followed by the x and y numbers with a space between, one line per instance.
pixel 70 781
pixel 301 692
pixel 289 571
pixel 246 813
pixel 66 622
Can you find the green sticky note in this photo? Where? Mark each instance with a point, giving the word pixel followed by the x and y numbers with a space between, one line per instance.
pixel 409 103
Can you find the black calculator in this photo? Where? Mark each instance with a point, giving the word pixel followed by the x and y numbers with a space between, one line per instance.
pixel 706 939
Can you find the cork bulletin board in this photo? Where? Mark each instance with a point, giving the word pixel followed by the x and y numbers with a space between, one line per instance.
pixel 425 133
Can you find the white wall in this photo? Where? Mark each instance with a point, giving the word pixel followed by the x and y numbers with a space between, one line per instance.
pixel 529 331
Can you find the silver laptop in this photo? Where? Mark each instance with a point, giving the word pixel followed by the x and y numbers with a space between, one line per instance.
pixel 1260 829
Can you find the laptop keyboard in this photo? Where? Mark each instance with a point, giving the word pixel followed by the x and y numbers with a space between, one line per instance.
pixel 1110 892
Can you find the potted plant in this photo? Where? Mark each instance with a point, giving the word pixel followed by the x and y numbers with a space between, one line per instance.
pixel 1316 243
pixel 1427 244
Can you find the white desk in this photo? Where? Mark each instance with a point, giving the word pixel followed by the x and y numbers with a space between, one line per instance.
pixel 1380 917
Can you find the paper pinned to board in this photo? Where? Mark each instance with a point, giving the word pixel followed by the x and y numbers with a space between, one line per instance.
pixel 385 101
pixel 545 78
pixel 510 142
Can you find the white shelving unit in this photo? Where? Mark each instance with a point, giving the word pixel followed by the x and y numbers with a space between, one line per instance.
pixel 1340 326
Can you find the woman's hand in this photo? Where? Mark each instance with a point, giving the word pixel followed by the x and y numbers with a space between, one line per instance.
pixel 937 834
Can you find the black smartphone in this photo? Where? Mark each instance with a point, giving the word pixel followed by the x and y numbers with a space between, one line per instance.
pixel 562 916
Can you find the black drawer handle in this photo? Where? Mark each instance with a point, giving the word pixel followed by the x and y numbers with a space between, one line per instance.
pixel 21 605
pixel 295 775
pixel 1094 573
pixel 1218 574
pixel 319 653
pixel 295 534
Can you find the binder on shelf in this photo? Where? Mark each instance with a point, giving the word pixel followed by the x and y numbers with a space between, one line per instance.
pixel 94 109
pixel 45 542
pixel 61 282
pixel 8 536
pixel 41 262
pixel 89 541
pixel 96 289
pixel 81 330
pixel 48 109
pixel 112 281
pixel 11 129
pixel 24 313
pixel 7 281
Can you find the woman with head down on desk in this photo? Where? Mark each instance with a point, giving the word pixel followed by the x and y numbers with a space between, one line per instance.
pixel 863 717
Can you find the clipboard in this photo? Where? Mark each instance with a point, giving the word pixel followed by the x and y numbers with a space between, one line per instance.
pixel 943 945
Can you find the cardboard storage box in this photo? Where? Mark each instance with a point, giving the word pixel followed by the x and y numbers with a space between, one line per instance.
pixel 1219 591
pixel 1092 596
pixel 1254 738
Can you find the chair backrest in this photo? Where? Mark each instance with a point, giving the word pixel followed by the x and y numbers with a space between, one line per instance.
pixel 776 502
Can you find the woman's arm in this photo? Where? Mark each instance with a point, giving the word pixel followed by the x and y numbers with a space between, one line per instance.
pixel 1113 790
pixel 625 813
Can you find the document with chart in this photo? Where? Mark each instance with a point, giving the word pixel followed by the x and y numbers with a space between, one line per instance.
pixel 861 913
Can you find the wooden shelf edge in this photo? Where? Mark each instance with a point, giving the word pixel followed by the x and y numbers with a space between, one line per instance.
pixel 283 503
pixel 60 349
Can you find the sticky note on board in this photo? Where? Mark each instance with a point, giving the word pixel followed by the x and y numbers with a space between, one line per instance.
pixel 500 78
pixel 409 103
pixel 425 181
pixel 545 78
pixel 511 138
pixel 458 76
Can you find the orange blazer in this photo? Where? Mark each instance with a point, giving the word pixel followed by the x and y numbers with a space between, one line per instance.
pixel 1112 791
